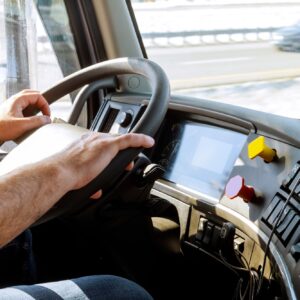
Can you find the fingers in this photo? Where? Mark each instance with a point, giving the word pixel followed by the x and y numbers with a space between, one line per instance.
pixel 130 166
pixel 30 123
pixel 135 140
pixel 32 97
pixel 120 142
pixel 98 136
pixel 97 195
pixel 38 101
pixel 95 151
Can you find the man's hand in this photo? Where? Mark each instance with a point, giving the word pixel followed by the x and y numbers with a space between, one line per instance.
pixel 98 194
pixel 83 160
pixel 13 124
pixel 29 192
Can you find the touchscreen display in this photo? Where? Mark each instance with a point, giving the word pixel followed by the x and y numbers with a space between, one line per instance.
pixel 199 156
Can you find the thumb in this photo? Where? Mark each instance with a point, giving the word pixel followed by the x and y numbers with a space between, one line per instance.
pixel 34 122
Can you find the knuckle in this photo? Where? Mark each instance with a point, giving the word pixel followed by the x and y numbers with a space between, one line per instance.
pixel 105 143
pixel 128 137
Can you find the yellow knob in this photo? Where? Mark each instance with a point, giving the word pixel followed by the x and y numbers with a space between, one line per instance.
pixel 258 148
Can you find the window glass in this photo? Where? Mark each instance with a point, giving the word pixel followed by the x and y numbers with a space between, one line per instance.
pixel 245 53
pixel 36 48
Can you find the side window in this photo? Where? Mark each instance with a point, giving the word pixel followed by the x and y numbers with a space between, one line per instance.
pixel 36 48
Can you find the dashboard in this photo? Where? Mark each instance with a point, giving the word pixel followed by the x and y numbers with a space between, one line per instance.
pixel 212 179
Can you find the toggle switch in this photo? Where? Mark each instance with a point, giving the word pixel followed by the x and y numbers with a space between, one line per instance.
pixel 236 188
pixel 125 118
pixel 258 148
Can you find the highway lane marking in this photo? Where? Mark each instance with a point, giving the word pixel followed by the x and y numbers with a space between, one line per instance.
pixel 209 61
pixel 162 51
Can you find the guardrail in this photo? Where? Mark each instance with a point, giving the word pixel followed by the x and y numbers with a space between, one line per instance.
pixel 210 36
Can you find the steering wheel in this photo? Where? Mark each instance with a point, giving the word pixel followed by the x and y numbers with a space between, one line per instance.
pixel 156 109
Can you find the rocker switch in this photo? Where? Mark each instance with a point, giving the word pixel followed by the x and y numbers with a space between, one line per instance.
pixel 201 228
pixel 125 118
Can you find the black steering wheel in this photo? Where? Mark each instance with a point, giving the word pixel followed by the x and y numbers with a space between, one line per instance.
pixel 156 109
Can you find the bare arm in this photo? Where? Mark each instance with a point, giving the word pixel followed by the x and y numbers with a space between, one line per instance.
pixel 27 193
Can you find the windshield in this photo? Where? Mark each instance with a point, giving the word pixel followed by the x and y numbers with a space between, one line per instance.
pixel 245 53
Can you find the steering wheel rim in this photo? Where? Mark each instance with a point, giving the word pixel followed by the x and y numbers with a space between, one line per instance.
pixel 150 121
pixel 158 103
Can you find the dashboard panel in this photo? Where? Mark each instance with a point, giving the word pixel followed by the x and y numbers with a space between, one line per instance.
pixel 201 151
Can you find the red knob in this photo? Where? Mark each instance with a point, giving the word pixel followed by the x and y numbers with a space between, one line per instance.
pixel 236 188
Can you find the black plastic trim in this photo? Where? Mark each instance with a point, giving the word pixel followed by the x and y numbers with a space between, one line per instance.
pixel 94 30
pixel 88 42
pixel 136 28
pixel 83 43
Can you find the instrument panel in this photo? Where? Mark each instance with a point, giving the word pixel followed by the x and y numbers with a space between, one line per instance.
pixel 222 172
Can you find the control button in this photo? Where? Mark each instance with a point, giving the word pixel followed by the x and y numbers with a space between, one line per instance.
pixel 295 251
pixel 271 207
pixel 288 233
pixel 297 190
pixel 259 148
pixel 236 188
pixel 239 244
pixel 208 233
pixel 125 118
pixel 295 186
pixel 286 219
pixel 201 228
pixel 275 214
pixel 295 204
pixel 215 240
pixel 292 174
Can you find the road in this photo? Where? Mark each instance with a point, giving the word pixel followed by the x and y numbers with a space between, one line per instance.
pixel 192 67
pixel 255 76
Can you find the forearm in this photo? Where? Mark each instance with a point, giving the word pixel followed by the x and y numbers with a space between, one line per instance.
pixel 26 194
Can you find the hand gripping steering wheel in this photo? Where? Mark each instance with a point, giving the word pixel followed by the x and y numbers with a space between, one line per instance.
pixel 156 109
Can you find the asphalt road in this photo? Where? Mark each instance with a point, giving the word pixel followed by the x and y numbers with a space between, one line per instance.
pixel 201 66
pixel 253 75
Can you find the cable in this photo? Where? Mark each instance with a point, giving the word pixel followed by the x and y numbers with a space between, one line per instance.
pixel 239 255
pixel 260 280
pixel 252 276
pixel 238 294
pixel 230 265
pixel 249 285
pixel 219 260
